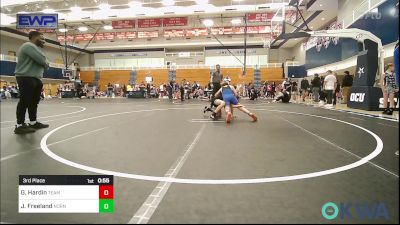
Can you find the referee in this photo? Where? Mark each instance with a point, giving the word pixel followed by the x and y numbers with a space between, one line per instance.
pixel 31 63
pixel 216 79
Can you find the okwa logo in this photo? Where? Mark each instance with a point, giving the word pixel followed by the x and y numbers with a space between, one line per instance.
pixel 357 97
pixel 349 211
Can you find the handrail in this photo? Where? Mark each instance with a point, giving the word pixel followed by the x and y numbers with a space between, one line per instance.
pixel 191 66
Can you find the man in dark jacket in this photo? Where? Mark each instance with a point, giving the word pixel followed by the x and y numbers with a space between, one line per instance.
pixel 304 85
pixel 316 87
pixel 346 84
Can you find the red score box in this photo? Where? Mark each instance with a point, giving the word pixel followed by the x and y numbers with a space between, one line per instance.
pixel 106 192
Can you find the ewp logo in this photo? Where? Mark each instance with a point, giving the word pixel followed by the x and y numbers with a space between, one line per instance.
pixel 35 21
pixel 365 211
pixel 357 97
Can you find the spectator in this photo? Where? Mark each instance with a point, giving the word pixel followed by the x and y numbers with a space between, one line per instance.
pixel 182 90
pixel 346 84
pixel 389 88
pixel 337 93
pixel 304 85
pixel 330 87
pixel 316 87
pixel 109 90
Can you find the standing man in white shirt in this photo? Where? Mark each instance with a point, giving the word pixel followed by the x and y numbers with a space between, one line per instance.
pixel 329 86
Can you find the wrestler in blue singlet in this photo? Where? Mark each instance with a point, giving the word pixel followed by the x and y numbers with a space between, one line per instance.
pixel 229 96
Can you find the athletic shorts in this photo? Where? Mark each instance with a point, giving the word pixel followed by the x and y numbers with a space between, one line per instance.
pixel 389 90
pixel 230 100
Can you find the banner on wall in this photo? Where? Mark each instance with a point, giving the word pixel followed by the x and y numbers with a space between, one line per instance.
pixel 259 17
pixel 171 33
pixel 324 42
pixel 123 24
pixel 147 34
pixel 175 22
pixel 125 35
pixel 149 23
pixel 196 32
pixel 174 33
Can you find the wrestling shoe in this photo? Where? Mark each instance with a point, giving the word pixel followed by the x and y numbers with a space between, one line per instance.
pixel 252 115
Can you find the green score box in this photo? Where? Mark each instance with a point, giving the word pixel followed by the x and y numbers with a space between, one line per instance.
pixel 106 206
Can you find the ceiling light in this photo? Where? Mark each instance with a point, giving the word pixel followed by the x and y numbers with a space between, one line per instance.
pixel 135 4
pixel 82 29
pixel 168 2
pixel 63 30
pixel 104 6
pixel 201 2
pixel 320 5
pixel 108 27
pixel 236 21
pixel 322 18
pixel 75 9
pixel 208 23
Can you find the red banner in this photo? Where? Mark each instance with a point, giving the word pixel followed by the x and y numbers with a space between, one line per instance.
pixel 238 30
pixel 197 32
pixel 83 37
pixel 123 24
pixel 174 33
pixel 61 38
pixel 125 35
pixel 175 22
pixel 147 34
pixel 147 23
pixel 105 36
pixel 259 17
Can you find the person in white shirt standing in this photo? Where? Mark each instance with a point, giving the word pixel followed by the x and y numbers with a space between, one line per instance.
pixel 330 86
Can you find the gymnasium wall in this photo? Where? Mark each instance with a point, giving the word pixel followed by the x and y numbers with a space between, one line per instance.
pixel 279 55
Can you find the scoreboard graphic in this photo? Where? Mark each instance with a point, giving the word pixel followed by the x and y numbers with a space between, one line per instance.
pixel 66 194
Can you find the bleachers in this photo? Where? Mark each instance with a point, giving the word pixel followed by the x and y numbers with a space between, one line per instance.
pixel 120 77
pixel 160 76
pixel 271 74
pixel 87 76
pixel 200 75
pixel 236 75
